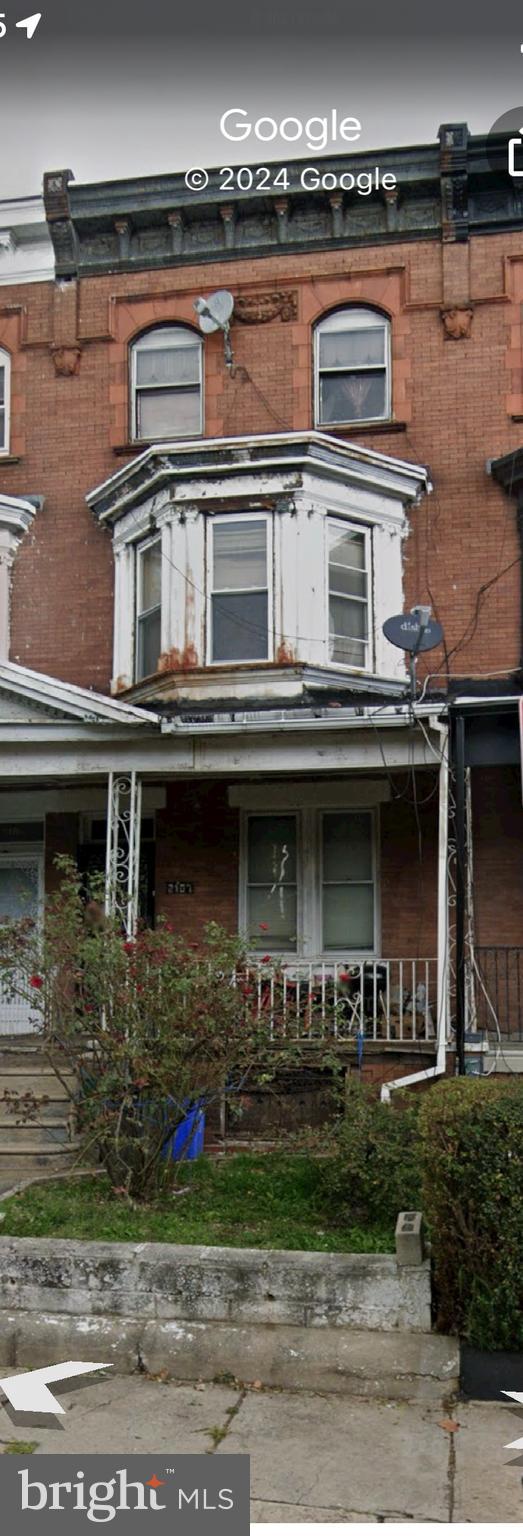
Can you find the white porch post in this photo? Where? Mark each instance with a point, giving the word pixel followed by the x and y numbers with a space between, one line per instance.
pixel 443 914
pixel 122 856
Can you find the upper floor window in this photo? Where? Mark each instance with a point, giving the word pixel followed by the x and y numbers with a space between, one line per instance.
pixel 348 578
pixel 5 392
pixel 166 384
pixel 148 607
pixel 239 585
pixel 352 367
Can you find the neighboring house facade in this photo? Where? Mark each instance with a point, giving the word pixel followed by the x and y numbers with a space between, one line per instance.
pixel 197 557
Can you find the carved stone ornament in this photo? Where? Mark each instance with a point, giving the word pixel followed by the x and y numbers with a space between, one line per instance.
pixel 66 360
pixel 258 308
pixel 457 323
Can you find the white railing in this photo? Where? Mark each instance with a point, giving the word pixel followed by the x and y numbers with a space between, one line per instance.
pixel 388 1000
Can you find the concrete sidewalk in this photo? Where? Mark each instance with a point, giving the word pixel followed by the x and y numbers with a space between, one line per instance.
pixel 313 1457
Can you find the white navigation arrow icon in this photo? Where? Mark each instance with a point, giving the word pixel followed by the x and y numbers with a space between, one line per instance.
pixel 514 1445
pixel 30 23
pixel 29 1393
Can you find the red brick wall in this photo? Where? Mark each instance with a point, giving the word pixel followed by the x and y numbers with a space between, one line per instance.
pixel 198 840
pixel 454 404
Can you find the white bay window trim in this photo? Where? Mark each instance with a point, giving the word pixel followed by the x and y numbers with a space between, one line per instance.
pixel 309 943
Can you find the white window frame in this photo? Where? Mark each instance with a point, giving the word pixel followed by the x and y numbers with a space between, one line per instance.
pixel 140 549
pixel 328 323
pixel 186 334
pixel 240 518
pixel 309 876
pixel 5 363
pixel 349 526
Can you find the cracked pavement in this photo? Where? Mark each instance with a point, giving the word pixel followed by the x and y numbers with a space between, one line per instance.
pixel 313 1457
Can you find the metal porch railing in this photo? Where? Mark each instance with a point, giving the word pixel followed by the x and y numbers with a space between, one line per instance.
pixel 388 1000
pixel 498 990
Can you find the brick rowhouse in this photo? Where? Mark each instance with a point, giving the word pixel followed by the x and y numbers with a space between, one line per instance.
pixel 443 262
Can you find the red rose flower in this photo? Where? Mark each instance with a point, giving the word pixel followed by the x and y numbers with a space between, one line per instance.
pixel 129 947
pixel 36 981
pixel 344 975
pixel 263 927
pixel 265 959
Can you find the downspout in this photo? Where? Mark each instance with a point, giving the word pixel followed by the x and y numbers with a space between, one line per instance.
pixel 461 855
pixel 429 1073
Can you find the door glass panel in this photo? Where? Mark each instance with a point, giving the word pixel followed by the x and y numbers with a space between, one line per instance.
pixel 18 891
pixel 271 890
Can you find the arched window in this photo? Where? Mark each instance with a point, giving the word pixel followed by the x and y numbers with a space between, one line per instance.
pixel 166 384
pixel 5 400
pixel 352 367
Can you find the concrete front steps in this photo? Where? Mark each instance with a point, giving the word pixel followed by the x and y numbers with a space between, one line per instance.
pixel 46 1140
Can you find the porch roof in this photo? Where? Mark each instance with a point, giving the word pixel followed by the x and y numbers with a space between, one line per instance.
pixel 32 697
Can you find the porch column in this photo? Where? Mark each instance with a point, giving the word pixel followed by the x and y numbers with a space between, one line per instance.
pixel 122 859
pixel 443 914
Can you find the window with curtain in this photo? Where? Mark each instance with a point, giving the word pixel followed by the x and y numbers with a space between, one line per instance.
pixel 148 607
pixel 348 560
pixel 166 384
pixel 5 390
pixel 352 367
pixel 239 599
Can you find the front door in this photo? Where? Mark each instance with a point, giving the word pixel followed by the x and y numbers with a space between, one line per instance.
pixel 21 893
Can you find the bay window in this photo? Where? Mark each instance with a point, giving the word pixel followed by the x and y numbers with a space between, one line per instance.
pixel 148 607
pixel 239 628
pixel 348 599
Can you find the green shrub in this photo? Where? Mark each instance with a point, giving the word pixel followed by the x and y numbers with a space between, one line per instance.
pixel 373 1170
pixel 472 1153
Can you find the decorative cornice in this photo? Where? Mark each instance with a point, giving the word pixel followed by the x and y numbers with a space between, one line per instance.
pixel 444 191
pixel 16 517
pixel 180 466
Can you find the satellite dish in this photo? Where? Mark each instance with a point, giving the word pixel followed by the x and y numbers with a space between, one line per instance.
pixel 214 313
pixel 413 631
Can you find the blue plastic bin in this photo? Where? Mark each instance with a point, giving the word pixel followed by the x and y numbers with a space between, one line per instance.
pixel 188 1138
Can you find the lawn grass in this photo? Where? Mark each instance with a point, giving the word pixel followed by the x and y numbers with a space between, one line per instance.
pixel 269 1200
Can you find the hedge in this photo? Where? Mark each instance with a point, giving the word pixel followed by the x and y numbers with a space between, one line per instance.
pixel 374 1169
pixel 471 1133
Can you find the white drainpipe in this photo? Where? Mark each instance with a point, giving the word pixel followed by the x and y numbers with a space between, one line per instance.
pixel 442 971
